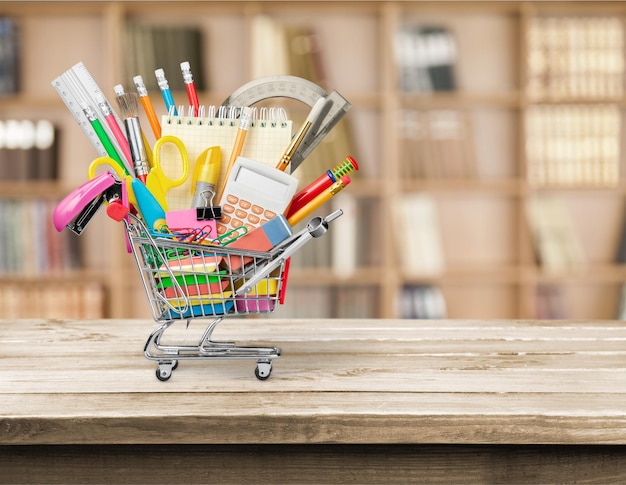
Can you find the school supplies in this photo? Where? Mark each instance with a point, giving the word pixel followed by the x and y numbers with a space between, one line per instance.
pixel 148 107
pixel 130 113
pixel 98 129
pixel 119 91
pixel 109 117
pixel 78 207
pixel 77 88
pixel 152 213
pixel 320 184
pixel 254 194
pixel 263 238
pixel 314 118
pixel 166 93
pixel 242 131
pixel 192 284
pixel 204 178
pixel 187 219
pixel 190 87
pixel 318 200
pixel 109 164
pixel 192 271
pixel 267 136
pixel 301 90
pixel 157 181
pixel 260 299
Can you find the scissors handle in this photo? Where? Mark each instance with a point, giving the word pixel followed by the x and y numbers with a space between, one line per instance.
pixel 184 160
pixel 158 182
pixel 110 164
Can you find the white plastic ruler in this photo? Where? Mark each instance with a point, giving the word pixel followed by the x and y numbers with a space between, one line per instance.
pixel 77 87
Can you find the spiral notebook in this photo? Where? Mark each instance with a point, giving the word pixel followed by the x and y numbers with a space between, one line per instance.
pixel 267 138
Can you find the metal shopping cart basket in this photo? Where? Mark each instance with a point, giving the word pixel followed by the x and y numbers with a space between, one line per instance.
pixel 188 281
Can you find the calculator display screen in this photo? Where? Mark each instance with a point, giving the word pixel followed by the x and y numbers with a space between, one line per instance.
pixel 267 186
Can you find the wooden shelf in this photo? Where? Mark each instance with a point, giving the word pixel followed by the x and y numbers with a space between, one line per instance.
pixel 486 236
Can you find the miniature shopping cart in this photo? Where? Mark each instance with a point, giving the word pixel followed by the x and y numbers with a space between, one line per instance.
pixel 188 281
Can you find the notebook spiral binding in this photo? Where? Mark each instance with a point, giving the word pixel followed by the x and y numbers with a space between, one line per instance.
pixel 227 116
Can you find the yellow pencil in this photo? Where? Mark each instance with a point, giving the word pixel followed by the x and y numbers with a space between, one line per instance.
pixel 246 117
pixel 318 201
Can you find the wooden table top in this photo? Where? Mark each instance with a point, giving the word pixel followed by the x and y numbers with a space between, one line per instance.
pixel 337 381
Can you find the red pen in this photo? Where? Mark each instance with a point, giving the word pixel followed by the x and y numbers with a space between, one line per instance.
pixel 320 184
pixel 319 199
pixel 190 86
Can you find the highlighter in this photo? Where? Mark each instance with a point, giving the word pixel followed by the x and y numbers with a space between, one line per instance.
pixel 204 177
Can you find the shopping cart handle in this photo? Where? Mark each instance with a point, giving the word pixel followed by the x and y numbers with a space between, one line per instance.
pixel 315 228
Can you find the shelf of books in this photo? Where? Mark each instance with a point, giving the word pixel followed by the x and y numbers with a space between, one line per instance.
pixel 491 181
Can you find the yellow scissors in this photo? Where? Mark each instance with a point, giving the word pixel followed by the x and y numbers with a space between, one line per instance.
pixel 157 181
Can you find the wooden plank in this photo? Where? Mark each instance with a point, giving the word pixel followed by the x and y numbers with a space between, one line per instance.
pixel 294 372
pixel 343 381
pixel 314 418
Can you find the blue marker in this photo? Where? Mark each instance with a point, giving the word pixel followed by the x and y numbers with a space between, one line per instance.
pixel 165 92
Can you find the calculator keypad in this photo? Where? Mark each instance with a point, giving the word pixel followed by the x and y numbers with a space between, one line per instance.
pixel 238 212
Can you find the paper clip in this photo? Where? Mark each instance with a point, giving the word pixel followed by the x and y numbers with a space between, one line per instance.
pixel 230 236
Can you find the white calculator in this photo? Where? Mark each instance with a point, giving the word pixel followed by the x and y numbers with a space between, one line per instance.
pixel 254 193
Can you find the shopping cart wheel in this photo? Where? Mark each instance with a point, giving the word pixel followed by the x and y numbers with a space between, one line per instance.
pixel 164 370
pixel 263 370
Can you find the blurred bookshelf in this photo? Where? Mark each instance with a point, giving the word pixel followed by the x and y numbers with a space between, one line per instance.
pixel 467 119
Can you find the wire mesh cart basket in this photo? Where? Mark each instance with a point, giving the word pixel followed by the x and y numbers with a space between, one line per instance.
pixel 187 281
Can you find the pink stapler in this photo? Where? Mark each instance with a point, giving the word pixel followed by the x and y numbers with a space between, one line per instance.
pixel 77 209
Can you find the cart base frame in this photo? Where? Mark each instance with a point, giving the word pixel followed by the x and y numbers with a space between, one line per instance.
pixel 167 356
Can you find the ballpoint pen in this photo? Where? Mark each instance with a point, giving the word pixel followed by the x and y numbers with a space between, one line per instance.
pixel 320 184
pixel 130 112
pixel 244 122
pixel 165 92
pixel 146 102
pixel 190 86
pixel 109 117
pixel 302 132
pixel 318 200
pixel 102 136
